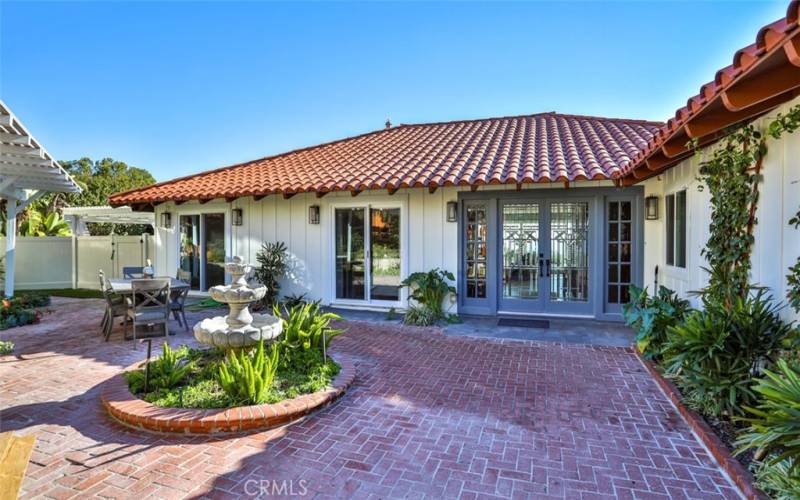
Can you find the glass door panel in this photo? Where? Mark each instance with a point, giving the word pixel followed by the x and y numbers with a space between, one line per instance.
pixel 568 263
pixel 189 267
pixel 350 253
pixel 384 254
pixel 475 251
pixel 620 242
pixel 214 247
pixel 521 251
pixel 202 250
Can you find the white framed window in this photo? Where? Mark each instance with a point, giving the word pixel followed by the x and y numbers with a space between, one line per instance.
pixel 676 229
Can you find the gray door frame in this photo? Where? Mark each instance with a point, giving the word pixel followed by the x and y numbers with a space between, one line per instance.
pixel 597 306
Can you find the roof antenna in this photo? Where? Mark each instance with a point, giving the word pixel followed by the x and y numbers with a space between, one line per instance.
pixel 388 123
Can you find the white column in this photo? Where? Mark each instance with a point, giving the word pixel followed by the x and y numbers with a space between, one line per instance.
pixel 11 243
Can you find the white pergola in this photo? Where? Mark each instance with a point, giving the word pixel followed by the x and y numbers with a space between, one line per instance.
pixel 119 215
pixel 27 172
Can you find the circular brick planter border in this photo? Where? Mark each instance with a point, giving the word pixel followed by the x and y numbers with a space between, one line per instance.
pixel 737 472
pixel 129 410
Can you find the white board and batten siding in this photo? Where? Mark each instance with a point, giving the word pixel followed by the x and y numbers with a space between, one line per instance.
pixel 777 244
pixel 431 241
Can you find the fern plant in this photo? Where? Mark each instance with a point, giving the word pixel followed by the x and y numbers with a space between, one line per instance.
pixel 247 378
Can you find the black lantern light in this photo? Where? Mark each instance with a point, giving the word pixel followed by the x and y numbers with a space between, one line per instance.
pixel 452 211
pixel 166 219
pixel 237 217
pixel 651 207
pixel 313 214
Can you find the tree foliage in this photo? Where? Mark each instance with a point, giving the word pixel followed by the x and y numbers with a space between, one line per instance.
pixel 99 180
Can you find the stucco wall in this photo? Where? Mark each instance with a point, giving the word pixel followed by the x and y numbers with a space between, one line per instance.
pixel 777 245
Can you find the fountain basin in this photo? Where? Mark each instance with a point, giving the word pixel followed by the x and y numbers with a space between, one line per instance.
pixel 227 294
pixel 217 331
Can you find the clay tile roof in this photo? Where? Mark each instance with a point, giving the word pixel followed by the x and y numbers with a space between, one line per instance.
pixel 761 76
pixel 546 147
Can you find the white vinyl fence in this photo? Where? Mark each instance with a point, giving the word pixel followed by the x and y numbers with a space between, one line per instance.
pixel 54 262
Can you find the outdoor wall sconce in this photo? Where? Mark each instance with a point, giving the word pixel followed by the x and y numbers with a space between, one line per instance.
pixel 236 216
pixel 313 214
pixel 166 219
pixel 651 208
pixel 452 211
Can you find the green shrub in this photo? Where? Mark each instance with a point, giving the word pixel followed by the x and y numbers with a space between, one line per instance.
pixel 780 480
pixel 429 291
pixel 6 347
pixel 716 352
pixel 273 263
pixel 245 377
pixel 166 372
pixel 19 310
pixel 290 301
pixel 774 424
pixel 650 316
pixel 305 324
pixel 420 316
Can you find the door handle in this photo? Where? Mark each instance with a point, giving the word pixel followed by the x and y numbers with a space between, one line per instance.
pixel 547 263
pixel 541 267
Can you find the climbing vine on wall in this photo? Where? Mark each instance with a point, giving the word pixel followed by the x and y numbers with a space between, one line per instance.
pixel 732 175
pixel 793 278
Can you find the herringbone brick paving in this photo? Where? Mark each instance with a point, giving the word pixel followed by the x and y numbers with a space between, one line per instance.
pixel 429 416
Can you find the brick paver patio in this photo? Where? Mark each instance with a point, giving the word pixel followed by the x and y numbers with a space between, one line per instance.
pixel 428 416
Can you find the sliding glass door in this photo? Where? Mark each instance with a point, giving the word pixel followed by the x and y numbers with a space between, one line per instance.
pixel 367 254
pixel 202 250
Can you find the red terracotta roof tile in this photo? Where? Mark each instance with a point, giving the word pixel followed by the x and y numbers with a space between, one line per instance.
pixel 546 147
pixel 774 51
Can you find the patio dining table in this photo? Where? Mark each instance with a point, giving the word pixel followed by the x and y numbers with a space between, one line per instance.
pixel 123 286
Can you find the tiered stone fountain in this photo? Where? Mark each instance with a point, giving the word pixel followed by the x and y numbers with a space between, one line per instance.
pixel 240 328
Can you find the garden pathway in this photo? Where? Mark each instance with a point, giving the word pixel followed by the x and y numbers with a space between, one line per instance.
pixel 428 416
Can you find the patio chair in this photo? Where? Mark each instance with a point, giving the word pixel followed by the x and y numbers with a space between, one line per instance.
pixel 150 305
pixel 115 305
pixel 132 273
pixel 176 305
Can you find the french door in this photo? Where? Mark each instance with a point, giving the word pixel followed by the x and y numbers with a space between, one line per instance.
pixel 544 254
pixel 368 263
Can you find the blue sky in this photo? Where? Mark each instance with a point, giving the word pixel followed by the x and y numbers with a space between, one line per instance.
pixel 181 87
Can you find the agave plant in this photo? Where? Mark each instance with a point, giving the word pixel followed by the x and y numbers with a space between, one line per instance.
pixel 166 372
pixel 247 377
pixel 306 326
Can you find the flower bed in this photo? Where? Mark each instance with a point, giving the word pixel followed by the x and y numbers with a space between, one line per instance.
pixel 21 309
pixel 129 410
